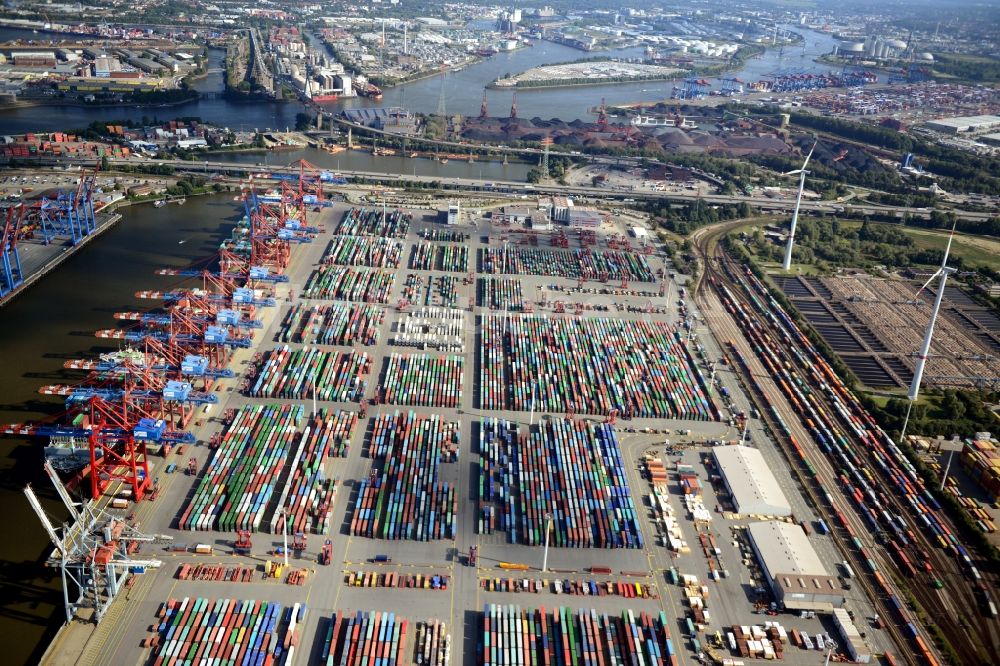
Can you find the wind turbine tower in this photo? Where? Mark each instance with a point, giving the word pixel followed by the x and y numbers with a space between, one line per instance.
pixel 787 264
pixel 918 370
pixel 943 272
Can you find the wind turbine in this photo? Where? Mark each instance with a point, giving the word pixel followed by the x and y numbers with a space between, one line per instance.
pixel 918 370
pixel 787 264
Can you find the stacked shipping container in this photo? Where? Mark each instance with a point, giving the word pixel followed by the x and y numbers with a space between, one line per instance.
pixel 571 470
pixel 643 369
pixel 407 501
pixel 334 324
pixel 236 489
pixel 516 637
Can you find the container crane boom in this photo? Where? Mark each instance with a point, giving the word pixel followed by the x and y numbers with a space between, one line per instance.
pixel 43 518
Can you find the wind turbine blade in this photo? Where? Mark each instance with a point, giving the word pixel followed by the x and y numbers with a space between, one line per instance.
pixel 792 173
pixel 947 249
pixel 809 156
pixel 929 280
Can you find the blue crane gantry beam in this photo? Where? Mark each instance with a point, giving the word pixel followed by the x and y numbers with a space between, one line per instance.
pixel 213 336
pixel 221 318
pixel 115 366
pixel 143 432
pixel 78 394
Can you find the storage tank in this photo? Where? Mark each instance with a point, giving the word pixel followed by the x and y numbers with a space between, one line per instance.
pixel 851 48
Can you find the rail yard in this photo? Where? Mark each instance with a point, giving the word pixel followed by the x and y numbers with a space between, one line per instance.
pixel 365 435
pixel 880 510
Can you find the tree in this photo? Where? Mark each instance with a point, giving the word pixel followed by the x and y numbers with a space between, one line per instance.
pixel 105 163
pixel 534 176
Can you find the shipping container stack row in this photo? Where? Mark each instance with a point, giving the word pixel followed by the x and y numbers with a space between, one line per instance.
pixel 574 264
pixel 767 642
pixel 386 223
pixel 445 289
pixel 209 572
pixel 569 470
pixel 696 601
pixel 440 290
pixel 423 380
pixel 61 145
pixel 431 257
pixel 242 474
pixel 301 373
pixel 334 324
pixel 396 580
pixel 225 631
pixel 407 500
pixel 667 525
pixel 369 638
pixel 433 646
pixel 347 284
pixel 564 637
pixel 643 369
pixel 593 588
pixel 363 251
pixel 501 294
pixel 444 235
pixel 308 497
pixel 432 328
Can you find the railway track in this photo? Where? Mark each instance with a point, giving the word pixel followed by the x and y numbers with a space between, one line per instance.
pixel 954 608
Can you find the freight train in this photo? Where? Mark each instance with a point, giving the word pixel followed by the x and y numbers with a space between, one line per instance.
pixel 838 422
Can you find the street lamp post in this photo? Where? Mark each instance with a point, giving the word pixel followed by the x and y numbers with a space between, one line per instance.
pixel 548 529
pixel 284 530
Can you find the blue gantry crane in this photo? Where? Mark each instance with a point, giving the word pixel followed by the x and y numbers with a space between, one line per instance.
pixel 68 212
pixel 11 274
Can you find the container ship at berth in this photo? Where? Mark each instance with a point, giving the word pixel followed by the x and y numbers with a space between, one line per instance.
pixel 366 89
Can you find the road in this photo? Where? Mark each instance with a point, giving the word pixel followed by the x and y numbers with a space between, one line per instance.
pixel 238 170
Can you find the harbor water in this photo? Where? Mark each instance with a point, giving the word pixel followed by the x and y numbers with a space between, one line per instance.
pixel 463 90
pixel 50 323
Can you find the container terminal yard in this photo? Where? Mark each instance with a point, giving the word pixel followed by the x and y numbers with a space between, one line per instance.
pixel 347 405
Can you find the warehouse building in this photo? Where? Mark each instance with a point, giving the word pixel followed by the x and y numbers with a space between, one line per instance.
pixel 964 124
pixel 750 482
pixel 34 58
pixel 793 569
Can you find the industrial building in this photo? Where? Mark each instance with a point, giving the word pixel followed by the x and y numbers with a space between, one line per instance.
pixel 749 480
pixel 454 214
pixel 793 569
pixel 560 208
pixel 585 218
pixel 964 124
pixel 33 58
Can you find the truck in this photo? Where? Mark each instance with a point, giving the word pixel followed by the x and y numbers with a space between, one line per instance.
pixel 382 559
